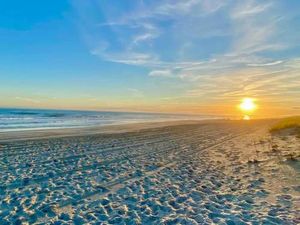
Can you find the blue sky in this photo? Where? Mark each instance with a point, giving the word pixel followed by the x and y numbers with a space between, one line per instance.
pixel 198 56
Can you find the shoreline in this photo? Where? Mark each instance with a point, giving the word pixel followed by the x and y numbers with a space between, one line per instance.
pixel 8 136
pixel 107 129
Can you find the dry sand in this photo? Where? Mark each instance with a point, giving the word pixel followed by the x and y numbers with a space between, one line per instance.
pixel 209 172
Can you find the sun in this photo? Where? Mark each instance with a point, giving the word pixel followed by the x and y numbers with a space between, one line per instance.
pixel 247 105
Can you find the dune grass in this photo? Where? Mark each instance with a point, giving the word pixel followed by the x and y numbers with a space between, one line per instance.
pixel 286 123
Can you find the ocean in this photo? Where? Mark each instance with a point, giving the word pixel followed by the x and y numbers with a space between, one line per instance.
pixel 34 119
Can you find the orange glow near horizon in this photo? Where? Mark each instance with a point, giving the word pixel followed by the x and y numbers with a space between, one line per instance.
pixel 229 108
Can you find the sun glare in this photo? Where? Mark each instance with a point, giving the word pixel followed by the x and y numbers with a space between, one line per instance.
pixel 246 117
pixel 247 105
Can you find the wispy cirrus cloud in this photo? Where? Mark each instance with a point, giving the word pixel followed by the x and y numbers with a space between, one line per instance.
pixel 223 49
pixel 160 73
pixel 266 64
pixel 139 34
pixel 280 85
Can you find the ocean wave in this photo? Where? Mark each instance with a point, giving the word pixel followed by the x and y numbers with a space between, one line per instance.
pixel 33 119
pixel 24 113
pixel 55 115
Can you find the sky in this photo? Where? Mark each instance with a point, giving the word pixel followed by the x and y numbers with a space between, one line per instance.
pixel 192 56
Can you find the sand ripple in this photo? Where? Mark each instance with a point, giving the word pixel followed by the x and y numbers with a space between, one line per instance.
pixel 187 174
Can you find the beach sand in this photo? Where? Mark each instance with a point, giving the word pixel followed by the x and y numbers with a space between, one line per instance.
pixel 188 172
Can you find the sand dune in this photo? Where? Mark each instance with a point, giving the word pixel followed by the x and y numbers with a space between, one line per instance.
pixel 224 172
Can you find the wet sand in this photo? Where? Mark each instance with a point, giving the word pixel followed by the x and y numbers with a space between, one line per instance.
pixel 83 131
pixel 208 172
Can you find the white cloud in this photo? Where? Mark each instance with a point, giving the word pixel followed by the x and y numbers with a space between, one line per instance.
pixel 250 30
pixel 265 83
pixel 246 9
pixel 160 73
pixel 250 24
pixel 136 29
pixel 266 64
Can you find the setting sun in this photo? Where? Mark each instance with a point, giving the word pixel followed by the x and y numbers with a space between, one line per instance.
pixel 247 105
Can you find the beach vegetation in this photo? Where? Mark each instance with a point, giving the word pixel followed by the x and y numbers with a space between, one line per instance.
pixel 290 123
